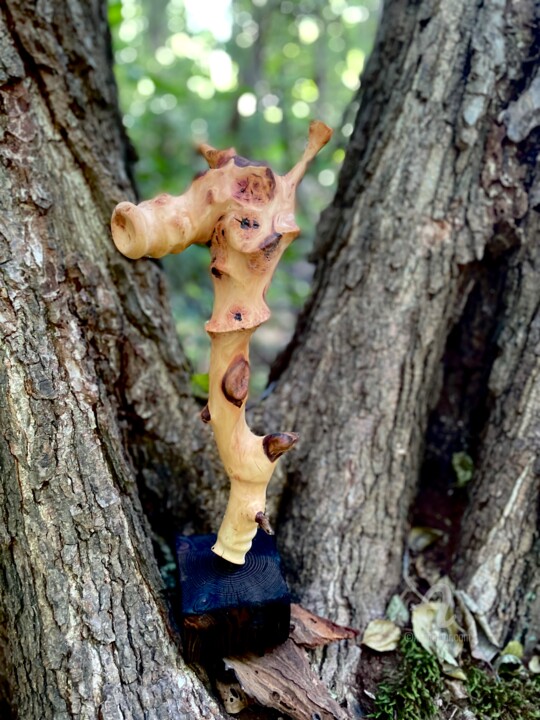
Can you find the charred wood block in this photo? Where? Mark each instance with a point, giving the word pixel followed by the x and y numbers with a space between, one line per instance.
pixel 229 609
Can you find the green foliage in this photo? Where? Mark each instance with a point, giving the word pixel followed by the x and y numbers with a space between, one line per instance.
pixel 248 73
pixel 199 385
pixel 508 697
pixel 252 76
pixel 410 692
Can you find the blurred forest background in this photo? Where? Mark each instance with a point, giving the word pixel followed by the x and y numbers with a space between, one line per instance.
pixel 250 74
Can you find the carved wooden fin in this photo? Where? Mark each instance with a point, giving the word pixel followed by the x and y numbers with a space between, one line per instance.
pixel 205 414
pixel 319 135
pixel 276 444
pixel 264 523
pixel 216 158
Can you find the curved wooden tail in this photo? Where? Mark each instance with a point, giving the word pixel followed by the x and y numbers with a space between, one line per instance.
pixel 249 459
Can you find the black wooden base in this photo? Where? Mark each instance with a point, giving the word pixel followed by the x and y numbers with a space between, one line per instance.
pixel 230 609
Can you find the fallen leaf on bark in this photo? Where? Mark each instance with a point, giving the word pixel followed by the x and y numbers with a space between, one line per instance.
pixel 482 643
pixel 454 672
pixel 514 647
pixel 458 689
pixel 422 537
pixel 427 569
pixel 510 662
pixel 381 635
pixel 436 629
pixel 463 466
pixel 397 611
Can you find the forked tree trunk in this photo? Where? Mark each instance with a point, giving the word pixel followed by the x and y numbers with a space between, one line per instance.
pixel 422 335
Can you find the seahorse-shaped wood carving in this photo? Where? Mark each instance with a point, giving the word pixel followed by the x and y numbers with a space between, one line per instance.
pixel 245 213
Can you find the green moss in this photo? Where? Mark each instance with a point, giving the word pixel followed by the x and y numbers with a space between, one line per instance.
pixel 410 692
pixel 509 697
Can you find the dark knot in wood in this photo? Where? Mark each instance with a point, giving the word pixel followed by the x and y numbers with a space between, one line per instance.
pixel 205 414
pixel 278 443
pixel 235 383
pixel 264 523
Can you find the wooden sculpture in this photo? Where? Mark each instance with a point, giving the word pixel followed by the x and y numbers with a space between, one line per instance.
pixel 245 213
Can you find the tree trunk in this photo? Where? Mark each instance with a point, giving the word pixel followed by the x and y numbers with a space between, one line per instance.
pixel 93 387
pixel 421 336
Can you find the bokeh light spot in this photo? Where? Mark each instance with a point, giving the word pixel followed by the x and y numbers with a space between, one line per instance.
pixel 223 71
pixel 327 177
pixel 350 79
pixel 269 100
pixel 291 50
pixel 126 55
pixel 201 86
pixel 338 6
pixel 300 109
pixel 165 56
pixel 308 30
pixel 129 29
pixel 247 104
pixel 146 87
pixel 355 14
pixel 199 127
pixel 244 40
pixel 212 15
pixel 336 44
pixel 355 60
pixel 305 89
pixel 273 114
pixel 184 46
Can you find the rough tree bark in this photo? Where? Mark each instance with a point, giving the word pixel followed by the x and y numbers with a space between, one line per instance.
pixel 421 336
pixel 421 339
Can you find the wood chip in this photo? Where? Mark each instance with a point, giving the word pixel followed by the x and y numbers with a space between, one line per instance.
pixel 233 697
pixel 312 631
pixel 283 679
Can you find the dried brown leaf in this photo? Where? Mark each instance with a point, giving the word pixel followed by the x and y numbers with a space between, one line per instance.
pixel 481 639
pixel 454 672
pixel 458 689
pixel 381 635
pixel 436 629
pixel 422 537
pixel 312 631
